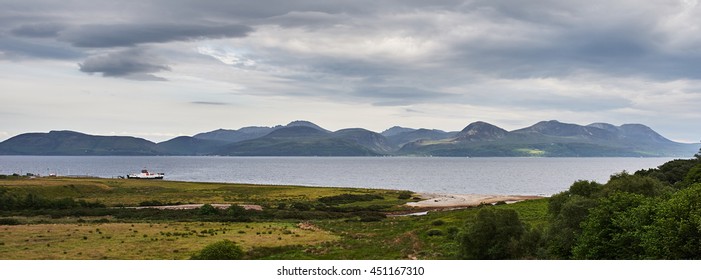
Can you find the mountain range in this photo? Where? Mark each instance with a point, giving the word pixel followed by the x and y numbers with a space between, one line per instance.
pixel 303 138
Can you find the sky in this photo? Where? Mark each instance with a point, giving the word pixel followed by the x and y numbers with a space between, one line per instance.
pixel 164 68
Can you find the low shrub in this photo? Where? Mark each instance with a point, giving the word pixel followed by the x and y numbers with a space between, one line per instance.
pixel 348 198
pixel 222 250
pixel 405 195
pixel 208 209
pixel 9 221
pixel 434 232
pixel 151 203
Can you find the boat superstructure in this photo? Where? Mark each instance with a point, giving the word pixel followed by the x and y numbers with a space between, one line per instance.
pixel 145 174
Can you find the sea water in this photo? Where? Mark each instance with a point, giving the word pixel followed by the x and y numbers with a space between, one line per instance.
pixel 527 176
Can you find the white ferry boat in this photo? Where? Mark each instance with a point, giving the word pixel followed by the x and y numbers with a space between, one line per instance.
pixel 146 175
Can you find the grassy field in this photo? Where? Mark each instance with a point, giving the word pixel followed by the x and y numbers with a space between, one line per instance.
pixel 121 192
pixel 337 229
pixel 161 241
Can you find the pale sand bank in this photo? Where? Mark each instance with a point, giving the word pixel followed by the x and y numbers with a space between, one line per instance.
pixel 465 200
pixel 195 206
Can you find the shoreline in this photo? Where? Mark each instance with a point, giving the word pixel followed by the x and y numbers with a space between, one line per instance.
pixel 435 200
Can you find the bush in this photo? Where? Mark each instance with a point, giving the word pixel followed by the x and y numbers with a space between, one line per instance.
pixel 371 216
pixel 370 219
pixel 404 195
pixel 151 203
pixel 9 221
pixel 208 209
pixel 348 198
pixel 301 206
pixel 434 232
pixel 438 222
pixel 236 210
pixel 452 232
pixel 222 250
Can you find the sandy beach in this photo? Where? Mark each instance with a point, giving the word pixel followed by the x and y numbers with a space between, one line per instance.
pixel 465 200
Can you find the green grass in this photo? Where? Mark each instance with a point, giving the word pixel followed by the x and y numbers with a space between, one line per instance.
pixel 531 152
pixel 145 240
pixel 113 192
pixel 50 236
pixel 404 237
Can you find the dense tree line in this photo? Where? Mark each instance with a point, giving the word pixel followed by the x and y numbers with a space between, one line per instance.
pixel 651 214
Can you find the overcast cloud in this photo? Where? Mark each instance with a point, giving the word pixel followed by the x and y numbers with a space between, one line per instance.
pixel 355 63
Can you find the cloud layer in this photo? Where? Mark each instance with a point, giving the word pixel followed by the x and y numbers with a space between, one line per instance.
pixel 598 60
pixel 132 63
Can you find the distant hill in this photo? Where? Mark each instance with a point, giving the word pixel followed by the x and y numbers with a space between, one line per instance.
pixel 233 136
pixel 297 140
pixel 75 143
pixel 392 131
pixel 367 139
pixel 306 124
pixel 481 131
pixel 189 146
pixel 403 137
pixel 303 138
pixel 554 139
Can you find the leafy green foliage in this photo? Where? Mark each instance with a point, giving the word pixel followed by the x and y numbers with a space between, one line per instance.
pixel 10 201
pixel 652 214
pixel 236 210
pixel 222 250
pixel 693 176
pixel 208 209
pixel 494 235
pixel 676 231
pixel 405 195
pixel 647 186
pixel 672 172
pixel 614 229
pixel 565 225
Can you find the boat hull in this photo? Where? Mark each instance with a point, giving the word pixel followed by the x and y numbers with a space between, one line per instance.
pixel 145 178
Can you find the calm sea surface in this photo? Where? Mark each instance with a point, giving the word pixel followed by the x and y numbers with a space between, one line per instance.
pixel 530 176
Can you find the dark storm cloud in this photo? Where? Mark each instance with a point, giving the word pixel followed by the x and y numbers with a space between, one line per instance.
pixel 125 35
pixel 133 64
pixel 38 30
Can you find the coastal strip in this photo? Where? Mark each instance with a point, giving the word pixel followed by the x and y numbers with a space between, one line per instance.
pixel 432 200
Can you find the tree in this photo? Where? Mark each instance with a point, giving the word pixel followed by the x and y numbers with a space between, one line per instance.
pixel 647 186
pixel 693 176
pixel 672 172
pixel 565 225
pixel 676 230
pixel 614 229
pixel 208 209
pixel 494 235
pixel 585 188
pixel 222 250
